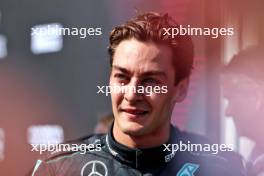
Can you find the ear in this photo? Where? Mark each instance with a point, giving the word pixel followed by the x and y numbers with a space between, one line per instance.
pixel 181 90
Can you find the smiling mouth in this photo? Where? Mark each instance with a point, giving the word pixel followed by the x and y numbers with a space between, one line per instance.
pixel 135 112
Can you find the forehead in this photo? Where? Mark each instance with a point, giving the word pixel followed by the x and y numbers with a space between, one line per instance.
pixel 140 56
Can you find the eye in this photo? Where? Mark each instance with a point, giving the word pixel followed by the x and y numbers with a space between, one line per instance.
pixel 121 77
pixel 150 81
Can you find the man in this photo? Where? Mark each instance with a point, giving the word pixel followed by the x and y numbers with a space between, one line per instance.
pixel 149 75
pixel 243 86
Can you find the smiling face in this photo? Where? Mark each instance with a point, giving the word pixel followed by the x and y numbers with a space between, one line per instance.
pixel 144 64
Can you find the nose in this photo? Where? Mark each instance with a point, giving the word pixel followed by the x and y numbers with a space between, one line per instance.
pixel 131 93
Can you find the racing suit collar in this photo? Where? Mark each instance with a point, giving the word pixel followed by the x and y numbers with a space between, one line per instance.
pixel 136 157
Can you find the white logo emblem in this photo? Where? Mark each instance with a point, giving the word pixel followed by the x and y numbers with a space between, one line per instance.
pixel 94 168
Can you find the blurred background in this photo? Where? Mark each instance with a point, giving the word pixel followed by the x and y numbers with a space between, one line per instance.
pixel 48 84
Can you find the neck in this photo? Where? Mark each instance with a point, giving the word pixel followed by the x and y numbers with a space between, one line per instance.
pixel 153 139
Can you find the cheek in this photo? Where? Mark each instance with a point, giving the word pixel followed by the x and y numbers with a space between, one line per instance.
pixel 159 101
pixel 116 98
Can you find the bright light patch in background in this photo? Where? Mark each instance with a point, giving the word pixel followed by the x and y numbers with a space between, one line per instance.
pixel 246 146
pixel 45 134
pixel 229 134
pixel 243 145
pixel 46 38
pixel 3 46
pixel 2 144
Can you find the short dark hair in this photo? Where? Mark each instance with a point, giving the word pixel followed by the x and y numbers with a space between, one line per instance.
pixel 150 27
pixel 248 62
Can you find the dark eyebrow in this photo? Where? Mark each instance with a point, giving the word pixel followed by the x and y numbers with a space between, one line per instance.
pixel 149 73
pixel 154 73
pixel 121 69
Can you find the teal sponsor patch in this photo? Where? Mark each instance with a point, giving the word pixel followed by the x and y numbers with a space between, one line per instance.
pixel 188 169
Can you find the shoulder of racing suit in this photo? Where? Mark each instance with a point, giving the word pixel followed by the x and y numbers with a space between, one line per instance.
pixel 211 161
pixel 117 160
pixel 73 146
pixel 67 150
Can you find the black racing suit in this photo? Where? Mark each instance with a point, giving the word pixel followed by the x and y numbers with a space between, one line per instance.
pixel 115 159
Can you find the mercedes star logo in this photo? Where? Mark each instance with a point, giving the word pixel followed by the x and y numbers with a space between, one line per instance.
pixel 94 168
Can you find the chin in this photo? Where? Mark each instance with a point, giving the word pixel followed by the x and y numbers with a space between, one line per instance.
pixel 133 129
